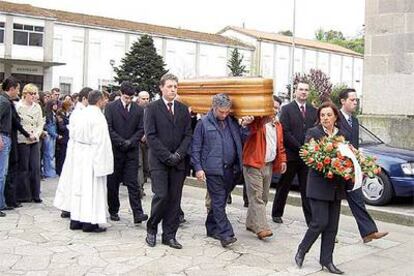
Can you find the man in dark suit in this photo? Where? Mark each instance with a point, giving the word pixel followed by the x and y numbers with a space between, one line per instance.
pixel 349 125
pixel 296 118
pixel 125 122
pixel 168 132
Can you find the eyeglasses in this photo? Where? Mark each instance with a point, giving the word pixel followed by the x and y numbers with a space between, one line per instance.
pixel 32 93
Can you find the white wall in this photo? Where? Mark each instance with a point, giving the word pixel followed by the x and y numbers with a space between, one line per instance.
pixel 213 61
pixel 298 63
pixel 323 62
pixel 335 73
pixel 347 71
pixel 68 47
pixel 282 68
pixel 267 60
pixel 310 60
pixel 104 46
pixel 181 58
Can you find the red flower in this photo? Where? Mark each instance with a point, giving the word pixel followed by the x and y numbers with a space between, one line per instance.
pixel 327 160
pixel 310 160
pixel 330 174
pixel 305 152
pixel 316 148
pixel 319 166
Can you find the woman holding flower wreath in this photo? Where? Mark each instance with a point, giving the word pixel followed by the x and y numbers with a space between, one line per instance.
pixel 325 193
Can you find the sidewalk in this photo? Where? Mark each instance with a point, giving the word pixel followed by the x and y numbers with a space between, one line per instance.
pixel 34 240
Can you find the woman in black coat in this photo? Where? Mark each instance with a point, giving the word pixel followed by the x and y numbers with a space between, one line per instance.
pixel 324 196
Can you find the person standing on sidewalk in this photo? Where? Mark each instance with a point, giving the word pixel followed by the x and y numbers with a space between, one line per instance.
pixel 216 154
pixel 126 127
pixel 143 168
pixel 350 127
pixel 296 118
pixel 263 154
pixel 168 132
pixel 10 88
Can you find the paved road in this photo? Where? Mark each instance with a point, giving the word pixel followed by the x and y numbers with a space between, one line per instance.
pixel 34 240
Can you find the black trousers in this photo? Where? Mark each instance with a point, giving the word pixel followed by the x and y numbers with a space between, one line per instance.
pixel 11 184
pixel 167 186
pixel 60 156
pixel 125 171
pixel 366 224
pixel 283 187
pixel 325 220
pixel 28 185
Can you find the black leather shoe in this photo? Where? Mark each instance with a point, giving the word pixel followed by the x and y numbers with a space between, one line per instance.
pixel 2 214
pixel 18 205
pixel 228 242
pixel 300 257
pixel 114 217
pixel 246 205
pixel 277 219
pixel 65 214
pixel 151 239
pixel 75 225
pixel 182 219
pixel 140 218
pixel 173 243
pixel 229 199
pixel 37 200
pixel 332 268
pixel 95 230
pixel 7 208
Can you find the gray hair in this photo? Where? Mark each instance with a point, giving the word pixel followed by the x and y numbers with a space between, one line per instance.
pixel 166 77
pixel 94 97
pixel 221 101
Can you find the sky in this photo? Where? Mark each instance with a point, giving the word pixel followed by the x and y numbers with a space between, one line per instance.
pixel 213 15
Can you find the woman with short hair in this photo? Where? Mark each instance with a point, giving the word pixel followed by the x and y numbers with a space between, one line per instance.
pixel 30 112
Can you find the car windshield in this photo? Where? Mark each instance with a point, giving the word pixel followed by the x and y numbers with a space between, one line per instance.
pixel 367 138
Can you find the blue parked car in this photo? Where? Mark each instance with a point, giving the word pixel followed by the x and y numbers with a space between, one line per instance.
pixel 397 176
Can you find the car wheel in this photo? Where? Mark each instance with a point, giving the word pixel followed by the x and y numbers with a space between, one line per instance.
pixel 377 190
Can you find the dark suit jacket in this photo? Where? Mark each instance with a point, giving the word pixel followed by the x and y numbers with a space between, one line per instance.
pixel 125 125
pixel 295 127
pixel 351 133
pixel 319 187
pixel 167 134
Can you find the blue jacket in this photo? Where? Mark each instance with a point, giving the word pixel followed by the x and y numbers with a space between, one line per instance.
pixel 207 146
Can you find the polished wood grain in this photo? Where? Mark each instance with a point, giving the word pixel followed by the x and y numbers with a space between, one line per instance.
pixel 250 96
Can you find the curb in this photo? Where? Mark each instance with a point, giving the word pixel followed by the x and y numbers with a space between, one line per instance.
pixel 294 200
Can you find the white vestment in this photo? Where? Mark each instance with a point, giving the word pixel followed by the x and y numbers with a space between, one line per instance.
pixel 64 188
pixel 92 152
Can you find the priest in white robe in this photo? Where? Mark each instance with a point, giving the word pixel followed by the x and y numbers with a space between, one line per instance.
pixel 63 191
pixel 92 150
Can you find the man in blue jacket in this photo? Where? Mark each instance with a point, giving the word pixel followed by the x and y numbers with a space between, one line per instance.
pixel 216 157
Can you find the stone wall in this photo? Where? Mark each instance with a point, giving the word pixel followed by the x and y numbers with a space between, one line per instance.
pixel 388 86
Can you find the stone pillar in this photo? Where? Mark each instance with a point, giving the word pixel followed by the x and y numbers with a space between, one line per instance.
pixel 389 70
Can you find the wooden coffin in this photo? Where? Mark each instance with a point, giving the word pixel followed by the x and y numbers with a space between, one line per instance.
pixel 250 96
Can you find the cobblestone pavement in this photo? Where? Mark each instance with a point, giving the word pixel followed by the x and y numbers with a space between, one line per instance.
pixel 34 240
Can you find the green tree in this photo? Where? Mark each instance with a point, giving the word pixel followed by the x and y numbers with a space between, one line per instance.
pixel 235 64
pixel 142 66
pixel 336 37
pixel 320 86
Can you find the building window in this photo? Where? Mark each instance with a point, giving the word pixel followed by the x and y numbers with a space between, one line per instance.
pixel 1 32
pixel 28 35
pixel 65 88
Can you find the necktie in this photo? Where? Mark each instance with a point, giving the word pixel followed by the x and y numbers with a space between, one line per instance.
pixel 170 109
pixel 126 109
pixel 350 121
pixel 302 110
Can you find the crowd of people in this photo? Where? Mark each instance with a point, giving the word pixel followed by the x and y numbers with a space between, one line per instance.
pixel 95 142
